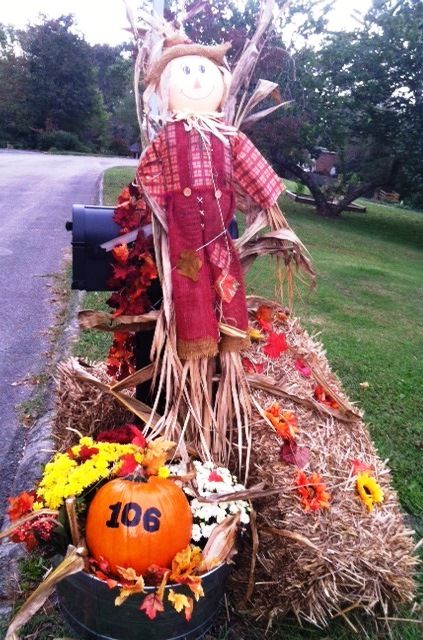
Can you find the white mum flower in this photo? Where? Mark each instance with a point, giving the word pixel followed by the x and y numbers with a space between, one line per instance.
pixel 196 532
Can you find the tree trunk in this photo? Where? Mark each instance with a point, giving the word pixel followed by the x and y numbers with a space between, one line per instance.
pixel 323 206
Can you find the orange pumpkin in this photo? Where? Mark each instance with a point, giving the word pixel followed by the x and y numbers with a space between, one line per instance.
pixel 137 524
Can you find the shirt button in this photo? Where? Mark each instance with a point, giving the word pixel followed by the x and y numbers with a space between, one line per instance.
pixel 187 192
pixel 218 194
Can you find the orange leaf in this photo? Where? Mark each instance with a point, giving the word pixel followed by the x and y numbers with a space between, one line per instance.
pixel 20 505
pixel 264 317
pixel 121 253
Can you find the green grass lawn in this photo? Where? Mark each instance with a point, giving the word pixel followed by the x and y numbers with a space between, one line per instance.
pixel 368 312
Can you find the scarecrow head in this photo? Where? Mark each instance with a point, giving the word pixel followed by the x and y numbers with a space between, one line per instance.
pixel 190 78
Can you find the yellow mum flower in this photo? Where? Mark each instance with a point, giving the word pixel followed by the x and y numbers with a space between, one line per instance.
pixel 163 472
pixel 369 490
pixel 36 506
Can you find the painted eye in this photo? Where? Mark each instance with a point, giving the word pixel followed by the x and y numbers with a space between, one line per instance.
pixel 186 69
pixel 202 68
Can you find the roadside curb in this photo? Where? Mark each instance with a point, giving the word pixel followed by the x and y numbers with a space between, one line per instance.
pixel 39 443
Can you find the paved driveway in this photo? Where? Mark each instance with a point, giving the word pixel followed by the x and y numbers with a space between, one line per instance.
pixel 36 195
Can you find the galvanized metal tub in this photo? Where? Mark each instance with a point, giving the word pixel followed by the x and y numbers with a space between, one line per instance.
pixel 88 606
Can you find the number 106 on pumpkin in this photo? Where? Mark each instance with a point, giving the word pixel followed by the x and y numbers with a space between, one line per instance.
pixel 131 515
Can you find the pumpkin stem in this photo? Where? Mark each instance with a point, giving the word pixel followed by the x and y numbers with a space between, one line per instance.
pixel 138 474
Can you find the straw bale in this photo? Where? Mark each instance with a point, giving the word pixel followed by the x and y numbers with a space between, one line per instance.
pixel 82 407
pixel 316 565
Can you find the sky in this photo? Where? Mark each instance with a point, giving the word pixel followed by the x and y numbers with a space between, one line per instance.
pixel 104 21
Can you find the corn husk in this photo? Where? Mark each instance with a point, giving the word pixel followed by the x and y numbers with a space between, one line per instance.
pixel 220 546
pixel 73 562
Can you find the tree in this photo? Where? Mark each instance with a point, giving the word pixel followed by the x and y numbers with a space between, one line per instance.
pixel 62 92
pixel 364 88
pixel 13 82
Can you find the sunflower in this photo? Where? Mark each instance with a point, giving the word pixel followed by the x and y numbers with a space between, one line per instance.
pixel 369 490
pixel 313 494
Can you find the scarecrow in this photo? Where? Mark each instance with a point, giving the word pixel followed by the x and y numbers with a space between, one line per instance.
pixel 191 178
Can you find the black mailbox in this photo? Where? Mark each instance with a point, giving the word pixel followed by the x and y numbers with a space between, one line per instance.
pixel 91 226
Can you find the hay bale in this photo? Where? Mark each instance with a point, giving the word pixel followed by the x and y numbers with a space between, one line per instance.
pixel 316 565
pixel 83 407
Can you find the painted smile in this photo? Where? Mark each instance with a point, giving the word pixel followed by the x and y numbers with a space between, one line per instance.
pixel 199 97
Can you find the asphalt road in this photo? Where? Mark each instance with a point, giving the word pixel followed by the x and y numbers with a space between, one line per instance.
pixel 36 195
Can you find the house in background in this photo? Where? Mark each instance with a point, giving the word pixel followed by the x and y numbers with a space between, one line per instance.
pixel 326 162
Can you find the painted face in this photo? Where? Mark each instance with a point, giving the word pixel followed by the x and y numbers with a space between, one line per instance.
pixel 195 85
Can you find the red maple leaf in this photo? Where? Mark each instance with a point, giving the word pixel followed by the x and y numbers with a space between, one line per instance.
pixel 151 605
pixel 214 477
pixel 85 453
pixel 252 367
pixel 291 453
pixel 276 344
pixel 129 465
pixel 303 368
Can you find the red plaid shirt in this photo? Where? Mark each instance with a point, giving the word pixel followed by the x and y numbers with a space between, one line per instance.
pixel 243 165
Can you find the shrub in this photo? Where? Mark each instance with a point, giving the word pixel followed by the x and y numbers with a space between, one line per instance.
pixel 61 141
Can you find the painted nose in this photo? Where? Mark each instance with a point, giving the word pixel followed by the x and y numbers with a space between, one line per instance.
pixel 197 84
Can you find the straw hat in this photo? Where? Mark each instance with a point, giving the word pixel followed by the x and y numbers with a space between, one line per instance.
pixel 178 47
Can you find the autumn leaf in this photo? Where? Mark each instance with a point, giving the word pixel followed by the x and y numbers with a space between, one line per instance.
pixel 196 587
pixel 151 605
pixel 111 583
pixel 252 367
pixel 291 453
pixel 276 344
pixel 154 574
pixel 214 477
pixel 156 455
pixel 185 563
pixel 131 584
pixel 20 505
pixel 85 453
pixel 303 368
pixel 189 264
pixel 360 467
pixel 129 464
pixel 181 601
pixel 264 317
pixel 325 398
pixel 121 253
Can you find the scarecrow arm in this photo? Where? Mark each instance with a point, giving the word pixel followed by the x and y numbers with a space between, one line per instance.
pixel 254 175
pixel 149 174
